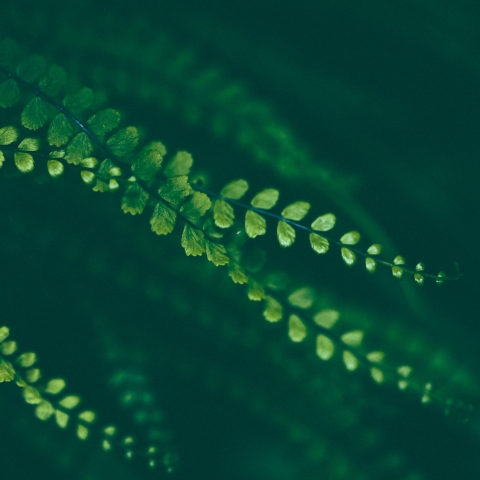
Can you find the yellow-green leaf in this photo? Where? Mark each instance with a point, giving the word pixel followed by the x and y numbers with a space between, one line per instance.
pixel 348 256
pixel 236 273
pixel 7 372
pixel 79 148
pixel 326 318
pixel 29 145
pixel 255 224
pixel 399 260
pixel 353 338
pixel 216 253
pixel 9 93
pixel 163 219
pixel 377 375
pixel 197 206
pixel 149 161
pixel 4 333
pixel 104 121
pixel 79 101
pixel 350 238
pixel 123 142
pixel 273 311
pixel 87 176
pixel 134 199
pixel 350 360
pixel 375 357
pixel 296 211
pixel 265 199
pixel 82 431
pixel 8 135
pixel 255 291
pixel 319 243
pixel 324 223
pixel 31 395
pixel 297 330
pixel 235 190
pixel 175 189
pixel 44 410
pixel 55 168
pixel 24 162
pixel 193 241
pixel 370 264
pixel 325 347
pixel 27 359
pixel 180 164
pixel 60 130
pixel 87 416
pixel 61 418
pixel 397 272
pixel 223 214
pixel 375 249
pixel 420 279
pixel 53 81
pixel 285 234
pixel 35 114
pixel 302 298
pixel 54 386
pixel 71 401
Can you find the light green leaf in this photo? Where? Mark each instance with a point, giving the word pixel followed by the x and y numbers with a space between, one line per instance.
pixel 123 142
pixel 87 176
pixel 254 224
pixel 61 418
pixel 149 161
pixel 375 249
pixel 71 401
pixel 53 81
pixel 350 238
pixel 319 243
pixel 285 234
pixel 376 356
pixel 9 93
pixel 180 164
pixel 193 241
pixel 35 114
pixel 296 211
pixel 370 264
pixel 55 168
pixel 24 162
pixel 134 199
pixel 399 260
pixel 236 273
pixel 2 159
pixel 353 338
pixel 60 130
pixel 255 291
pixel 273 311
pixel 197 206
pixel 79 101
pixel 326 318
pixel 266 199
pixel 223 214
pixel 397 272
pixel 235 190
pixel 348 256
pixel 324 223
pixel 297 330
pixel 420 279
pixel 176 189
pixel 378 375
pixel 31 67
pixel 7 372
pixel 29 145
pixel 302 298
pixel 4 333
pixel 216 253
pixel 44 410
pixel 325 347
pixel 79 148
pixel 8 135
pixel 54 386
pixel 350 360
pixel 104 121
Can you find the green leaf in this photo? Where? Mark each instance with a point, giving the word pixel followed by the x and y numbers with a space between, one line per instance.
pixel 79 101
pixel 79 148
pixel 285 234
pixel 8 135
pixel 223 214
pixel 353 338
pixel 55 386
pixel 324 223
pixel 273 311
pixel 193 241
pixel 255 224
pixel 31 67
pixel 9 93
pixel 163 219
pixel 35 114
pixel 2 159
pixel 325 347
pixel 296 211
pixel 236 273
pixel 319 243
pixel 350 238
pixel 302 298
pixel 350 360
pixel 348 256
pixel 71 401
pixel 326 318
pixel 197 206
pixel 176 189
pixel 266 199
pixel 235 190
pixel 180 164
pixel 296 328
pixel 24 162
pixel 29 145
pixel 375 249
pixel 370 265
pixel 149 161
pixel 104 121
pixel 255 291
pixel 60 130
pixel 134 199
pixel 216 253
pixel 53 81
pixel 123 142
pixel 55 168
